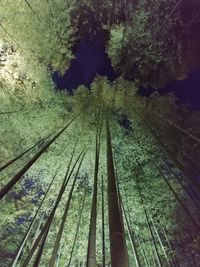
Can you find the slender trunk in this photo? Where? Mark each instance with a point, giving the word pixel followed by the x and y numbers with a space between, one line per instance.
pixel 172 190
pixel 169 15
pixel 190 195
pixel 13 39
pixel 51 216
pixel 14 264
pixel 177 197
pixel 8 112
pixel 160 241
pixel 38 228
pixel 23 153
pixel 130 232
pixel 77 229
pixel 133 245
pixel 31 8
pixel 62 224
pixel 59 256
pixel 169 245
pixel 103 225
pixel 178 164
pixel 149 227
pixel 144 253
pixel 196 139
pixel 119 254
pixel 91 252
pixel 17 177
pixel 188 174
pixel 36 262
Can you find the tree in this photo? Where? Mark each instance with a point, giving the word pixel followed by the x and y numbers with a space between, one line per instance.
pixel 152 51
pixel 154 142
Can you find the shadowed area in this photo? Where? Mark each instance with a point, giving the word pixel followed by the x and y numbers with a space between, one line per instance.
pixel 90 60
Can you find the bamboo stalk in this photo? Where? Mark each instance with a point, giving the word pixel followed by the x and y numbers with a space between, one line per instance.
pixel 19 251
pixel 7 164
pixel 31 8
pixel 149 227
pixel 51 216
pixel 77 228
pixel 64 217
pixel 103 225
pixel 91 252
pixel 119 254
pixel 19 175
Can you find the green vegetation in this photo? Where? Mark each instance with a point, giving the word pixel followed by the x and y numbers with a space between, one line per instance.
pixel 103 177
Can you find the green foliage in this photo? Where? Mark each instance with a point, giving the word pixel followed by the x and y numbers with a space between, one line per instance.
pixel 37 37
pixel 156 45
pixel 42 31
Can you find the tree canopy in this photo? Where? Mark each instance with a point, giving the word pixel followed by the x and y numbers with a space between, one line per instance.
pixel 105 171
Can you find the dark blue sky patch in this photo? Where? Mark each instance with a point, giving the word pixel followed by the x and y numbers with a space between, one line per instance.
pixel 187 91
pixel 91 60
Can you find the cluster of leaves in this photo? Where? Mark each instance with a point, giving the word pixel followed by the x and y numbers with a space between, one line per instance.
pixel 157 43
pixel 42 31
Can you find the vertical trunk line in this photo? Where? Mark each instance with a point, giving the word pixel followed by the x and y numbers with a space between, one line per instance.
pixel 119 254
pixel 91 250
pixel 77 228
pixel 103 225
pixel 64 217
pixel 19 175
pixel 149 226
pixel 14 264
pixel 51 216
pixel 7 164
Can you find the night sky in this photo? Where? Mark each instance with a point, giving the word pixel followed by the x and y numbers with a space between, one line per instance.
pixel 91 60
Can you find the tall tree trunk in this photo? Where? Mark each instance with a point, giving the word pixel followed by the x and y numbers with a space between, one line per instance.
pixel 170 187
pixel 130 232
pixel 119 254
pixel 51 216
pixel 62 224
pixel 190 216
pixel 177 163
pixel 33 11
pixel 103 225
pixel 149 226
pixel 7 164
pixel 36 262
pixel 17 177
pixel 160 241
pixel 39 226
pixel 11 37
pixel 77 228
pixel 189 194
pixel 177 5
pixel 91 252
pixel 19 251
pixel 176 264
pixel 146 260
pixel 195 138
